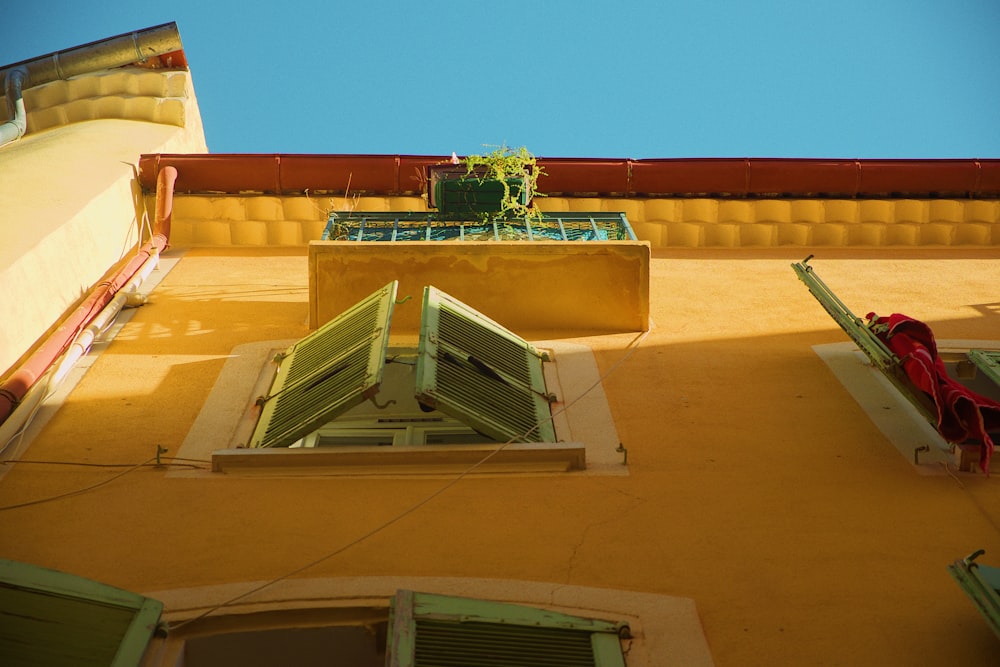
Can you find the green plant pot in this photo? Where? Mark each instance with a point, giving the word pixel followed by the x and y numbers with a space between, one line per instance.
pixel 472 195
pixel 451 189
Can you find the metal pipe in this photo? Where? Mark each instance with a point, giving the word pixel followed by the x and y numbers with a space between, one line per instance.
pixel 118 51
pixel 13 129
pixel 16 387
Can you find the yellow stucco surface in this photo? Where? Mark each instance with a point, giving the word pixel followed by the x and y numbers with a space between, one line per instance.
pixel 70 205
pixel 215 220
pixel 757 486
pixel 565 286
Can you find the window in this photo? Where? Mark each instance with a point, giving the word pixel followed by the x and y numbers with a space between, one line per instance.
pixel 946 392
pixel 51 617
pixel 426 629
pixel 467 366
pixel 342 401
pixel 583 434
pixel 395 417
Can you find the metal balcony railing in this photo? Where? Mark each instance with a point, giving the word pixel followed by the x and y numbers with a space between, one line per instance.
pixel 434 226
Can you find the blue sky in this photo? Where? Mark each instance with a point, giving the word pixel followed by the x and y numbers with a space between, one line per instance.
pixel 841 79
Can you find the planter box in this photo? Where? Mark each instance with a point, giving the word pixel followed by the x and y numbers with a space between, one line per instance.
pixel 451 189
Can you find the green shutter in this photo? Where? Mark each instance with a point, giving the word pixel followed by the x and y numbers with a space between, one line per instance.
pixel 852 325
pixel 988 362
pixel 881 356
pixel 982 584
pixel 473 369
pixel 330 371
pixel 431 630
pixel 53 618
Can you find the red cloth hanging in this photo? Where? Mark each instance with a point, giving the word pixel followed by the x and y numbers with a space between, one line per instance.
pixel 963 416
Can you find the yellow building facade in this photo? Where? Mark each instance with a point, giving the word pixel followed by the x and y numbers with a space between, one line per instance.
pixel 728 478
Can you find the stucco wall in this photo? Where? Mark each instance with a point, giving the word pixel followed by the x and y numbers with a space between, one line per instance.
pixel 217 220
pixel 70 205
pixel 565 286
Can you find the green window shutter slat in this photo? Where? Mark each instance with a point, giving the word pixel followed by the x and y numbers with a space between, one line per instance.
pixel 54 618
pixel 433 630
pixel 988 362
pixel 330 371
pixel 852 325
pixel 475 370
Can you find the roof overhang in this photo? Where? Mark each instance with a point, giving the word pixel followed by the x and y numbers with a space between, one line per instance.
pixel 394 175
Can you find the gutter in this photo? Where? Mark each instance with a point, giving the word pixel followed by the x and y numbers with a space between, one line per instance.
pixel 403 175
pixel 22 391
pixel 159 45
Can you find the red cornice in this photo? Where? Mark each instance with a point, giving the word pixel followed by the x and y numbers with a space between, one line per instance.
pixel 675 177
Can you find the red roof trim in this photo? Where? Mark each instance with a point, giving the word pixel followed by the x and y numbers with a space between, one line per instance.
pixel 727 177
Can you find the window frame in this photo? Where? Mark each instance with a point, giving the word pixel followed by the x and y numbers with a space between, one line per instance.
pixel 405 433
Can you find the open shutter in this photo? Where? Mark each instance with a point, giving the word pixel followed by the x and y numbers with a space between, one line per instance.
pixel 880 355
pixel 475 370
pixel 426 629
pixel 330 371
pixel 982 584
pixel 54 618
pixel 852 325
pixel 988 362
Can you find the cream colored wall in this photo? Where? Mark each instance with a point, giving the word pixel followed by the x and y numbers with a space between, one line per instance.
pixel 69 210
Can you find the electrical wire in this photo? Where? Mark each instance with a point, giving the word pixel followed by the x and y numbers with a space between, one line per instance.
pixel 112 465
pixel 78 491
pixel 193 464
pixel 630 349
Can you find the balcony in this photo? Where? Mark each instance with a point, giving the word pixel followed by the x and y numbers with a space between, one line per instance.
pixel 436 226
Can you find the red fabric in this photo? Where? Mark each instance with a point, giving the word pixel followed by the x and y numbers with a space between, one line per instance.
pixel 964 417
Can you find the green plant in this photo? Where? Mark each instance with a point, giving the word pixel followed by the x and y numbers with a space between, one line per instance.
pixel 503 164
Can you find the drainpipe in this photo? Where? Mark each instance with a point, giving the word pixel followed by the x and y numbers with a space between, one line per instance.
pixel 108 53
pixel 78 331
pixel 13 129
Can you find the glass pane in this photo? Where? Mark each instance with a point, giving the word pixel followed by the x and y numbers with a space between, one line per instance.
pixel 467 438
pixel 379 439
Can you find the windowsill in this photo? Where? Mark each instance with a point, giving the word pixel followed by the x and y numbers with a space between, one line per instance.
pixel 423 459
pixel 588 438
pixel 898 420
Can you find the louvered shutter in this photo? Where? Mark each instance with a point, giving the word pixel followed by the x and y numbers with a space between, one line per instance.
pixel 330 371
pixel 877 352
pixel 852 325
pixel 428 630
pixel 475 370
pixel 987 361
pixel 49 617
